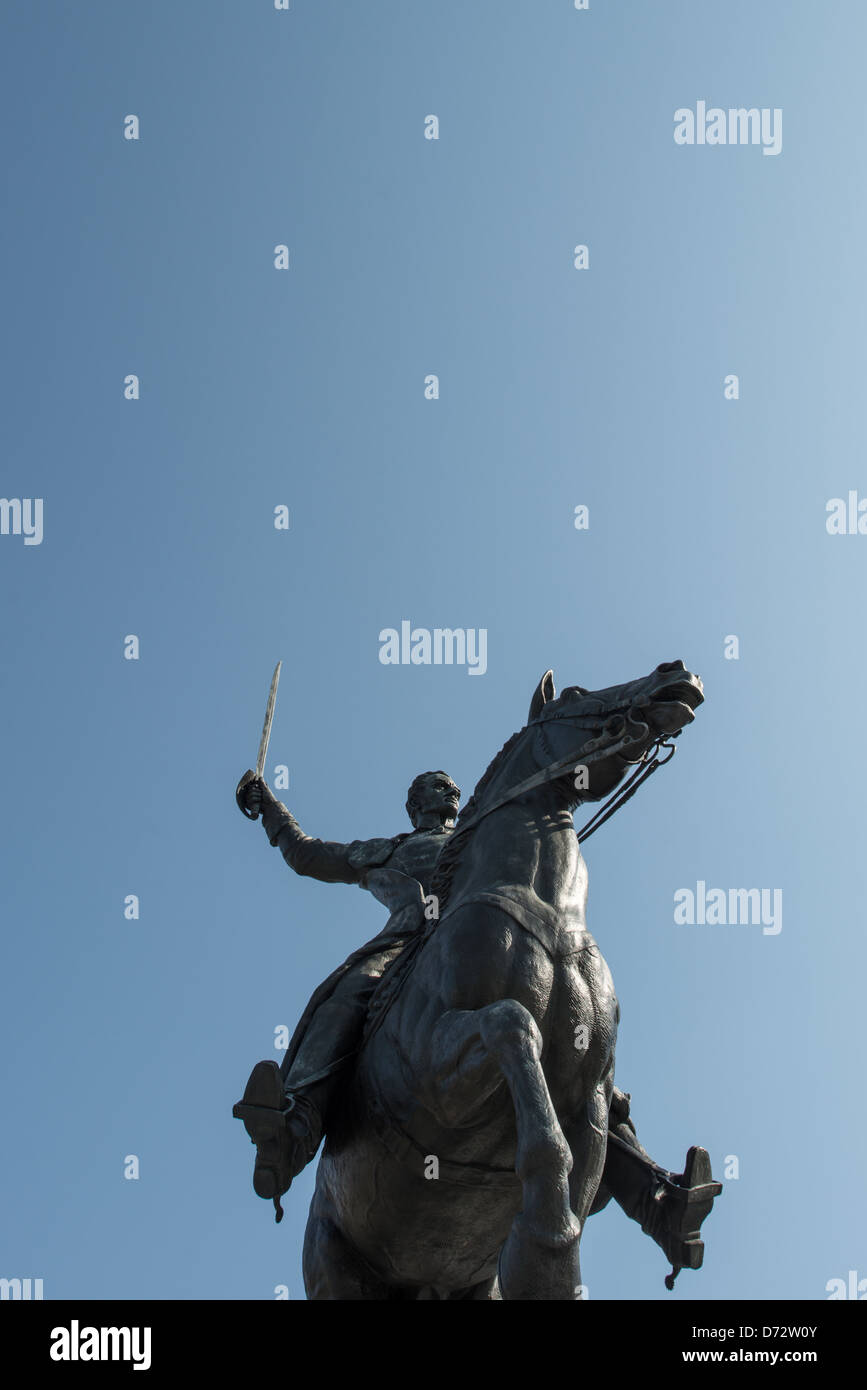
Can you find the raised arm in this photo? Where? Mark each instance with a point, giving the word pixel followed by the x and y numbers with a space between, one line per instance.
pixel 327 860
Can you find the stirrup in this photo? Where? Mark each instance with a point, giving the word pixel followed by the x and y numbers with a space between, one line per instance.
pixel 244 1111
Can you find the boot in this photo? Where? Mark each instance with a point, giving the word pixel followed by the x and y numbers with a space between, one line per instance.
pixel 285 1127
pixel 677 1206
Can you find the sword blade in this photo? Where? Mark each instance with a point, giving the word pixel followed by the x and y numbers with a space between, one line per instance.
pixel 269 719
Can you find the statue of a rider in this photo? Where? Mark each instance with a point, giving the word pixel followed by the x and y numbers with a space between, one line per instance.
pixel 287 1109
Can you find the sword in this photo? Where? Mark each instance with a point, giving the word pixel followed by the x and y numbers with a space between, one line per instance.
pixel 263 745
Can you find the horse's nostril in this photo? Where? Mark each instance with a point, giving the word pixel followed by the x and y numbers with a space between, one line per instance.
pixel 671 666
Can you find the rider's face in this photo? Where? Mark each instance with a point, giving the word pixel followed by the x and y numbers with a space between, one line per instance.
pixel 437 793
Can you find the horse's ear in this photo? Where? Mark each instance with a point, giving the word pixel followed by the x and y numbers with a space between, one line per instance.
pixel 541 695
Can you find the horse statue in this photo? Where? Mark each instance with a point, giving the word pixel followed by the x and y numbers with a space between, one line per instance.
pixel 470 1143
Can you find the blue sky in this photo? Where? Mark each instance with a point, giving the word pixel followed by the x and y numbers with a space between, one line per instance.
pixel 305 387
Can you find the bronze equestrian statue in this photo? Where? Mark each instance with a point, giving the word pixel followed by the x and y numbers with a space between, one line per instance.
pixel 461 1064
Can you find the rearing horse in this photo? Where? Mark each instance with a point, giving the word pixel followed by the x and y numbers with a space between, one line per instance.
pixel 473 1137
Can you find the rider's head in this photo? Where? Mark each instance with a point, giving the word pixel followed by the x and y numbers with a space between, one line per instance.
pixel 432 799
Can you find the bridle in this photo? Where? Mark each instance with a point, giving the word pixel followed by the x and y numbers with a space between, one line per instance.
pixel 595 750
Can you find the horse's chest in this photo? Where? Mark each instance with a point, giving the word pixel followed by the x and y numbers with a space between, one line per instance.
pixel 593 1009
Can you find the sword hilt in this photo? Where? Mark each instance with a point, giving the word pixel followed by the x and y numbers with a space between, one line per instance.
pixel 249 776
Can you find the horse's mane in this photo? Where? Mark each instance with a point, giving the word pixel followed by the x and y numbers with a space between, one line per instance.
pixel 451 851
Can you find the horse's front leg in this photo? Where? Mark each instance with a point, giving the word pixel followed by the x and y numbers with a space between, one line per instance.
pixel 472 1053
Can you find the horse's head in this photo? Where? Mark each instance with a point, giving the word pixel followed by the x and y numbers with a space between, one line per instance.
pixel 626 720
pixel 573 748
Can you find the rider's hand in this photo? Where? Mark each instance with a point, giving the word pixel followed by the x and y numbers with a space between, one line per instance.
pixel 253 795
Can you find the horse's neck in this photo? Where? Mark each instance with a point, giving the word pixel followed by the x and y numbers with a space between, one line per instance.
pixel 531 843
